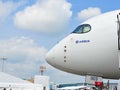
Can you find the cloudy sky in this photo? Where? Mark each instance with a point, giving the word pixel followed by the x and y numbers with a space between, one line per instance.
pixel 29 28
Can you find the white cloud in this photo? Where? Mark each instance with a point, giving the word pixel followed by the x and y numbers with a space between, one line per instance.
pixel 88 13
pixel 6 8
pixel 24 58
pixel 46 16
pixel 23 54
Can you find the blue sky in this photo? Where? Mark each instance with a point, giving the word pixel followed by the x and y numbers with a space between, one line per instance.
pixel 30 28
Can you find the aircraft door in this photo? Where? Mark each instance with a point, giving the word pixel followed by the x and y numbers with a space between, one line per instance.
pixel 118 25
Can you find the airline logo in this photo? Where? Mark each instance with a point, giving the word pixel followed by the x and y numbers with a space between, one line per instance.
pixel 82 41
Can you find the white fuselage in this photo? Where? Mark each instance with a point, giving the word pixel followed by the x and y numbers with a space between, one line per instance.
pixel 91 53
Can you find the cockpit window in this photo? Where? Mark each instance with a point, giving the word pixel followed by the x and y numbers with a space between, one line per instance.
pixel 84 28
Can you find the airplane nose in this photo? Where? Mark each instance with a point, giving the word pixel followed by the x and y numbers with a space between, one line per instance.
pixel 50 58
pixel 56 55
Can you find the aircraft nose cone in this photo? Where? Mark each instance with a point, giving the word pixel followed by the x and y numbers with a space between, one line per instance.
pixel 50 58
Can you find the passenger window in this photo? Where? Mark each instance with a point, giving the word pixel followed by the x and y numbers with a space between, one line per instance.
pixel 84 28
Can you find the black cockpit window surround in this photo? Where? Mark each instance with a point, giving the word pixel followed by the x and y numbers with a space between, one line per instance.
pixel 84 28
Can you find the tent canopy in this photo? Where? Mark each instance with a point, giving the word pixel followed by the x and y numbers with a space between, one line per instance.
pixel 6 78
